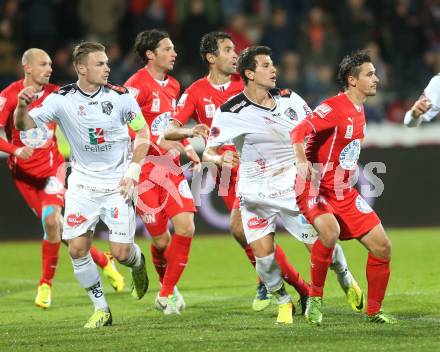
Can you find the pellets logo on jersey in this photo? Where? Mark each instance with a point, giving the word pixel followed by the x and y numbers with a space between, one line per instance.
pixel 114 213
pixel 257 223
pixel 291 114
pixel 214 133
pixel 107 107
pixel 96 136
pixel 74 220
pixel 323 110
pixel 2 103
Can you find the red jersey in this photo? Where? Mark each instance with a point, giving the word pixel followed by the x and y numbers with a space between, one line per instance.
pixel 46 157
pixel 201 99
pixel 157 102
pixel 335 129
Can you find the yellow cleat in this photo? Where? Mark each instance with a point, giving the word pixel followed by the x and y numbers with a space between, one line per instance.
pixel 285 313
pixel 43 298
pixel 112 274
pixel 355 297
pixel 99 319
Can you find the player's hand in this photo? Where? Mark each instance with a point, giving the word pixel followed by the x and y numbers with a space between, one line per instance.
pixel 420 107
pixel 174 148
pixel 24 153
pixel 229 159
pixel 192 155
pixel 129 182
pixel 26 96
pixel 200 130
pixel 304 169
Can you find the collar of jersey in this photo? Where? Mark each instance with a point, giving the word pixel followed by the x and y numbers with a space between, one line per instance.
pixel 261 106
pixel 88 95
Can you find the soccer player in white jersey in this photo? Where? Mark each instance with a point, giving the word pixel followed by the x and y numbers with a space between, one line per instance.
pixel 259 121
pixel 94 116
pixel 427 106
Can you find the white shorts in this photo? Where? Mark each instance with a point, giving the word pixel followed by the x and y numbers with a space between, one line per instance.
pixel 86 204
pixel 259 216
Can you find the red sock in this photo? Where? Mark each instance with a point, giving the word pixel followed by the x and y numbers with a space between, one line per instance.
pixel 159 261
pixel 378 273
pixel 320 259
pixel 290 275
pixel 177 258
pixel 98 257
pixel 49 253
pixel 251 257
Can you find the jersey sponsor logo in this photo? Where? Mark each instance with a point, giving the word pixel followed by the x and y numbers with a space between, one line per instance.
pixel 315 201
pixel 40 137
pixel 160 123
pixel 107 107
pixel 53 186
pixel 291 114
pixel 182 100
pixel 214 133
pixel 184 190
pixel 114 213
pixel 2 103
pixel 96 136
pixel 134 92
pixel 349 131
pixel 362 205
pixel 210 110
pixel 350 154
pixel 82 110
pixel 307 109
pixel 155 104
pixel 238 106
pixel 257 223
pixel 93 103
pixel 74 220
pixel 148 218
pixel 323 110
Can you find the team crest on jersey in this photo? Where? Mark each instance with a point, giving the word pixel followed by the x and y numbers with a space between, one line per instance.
pixel 107 107
pixel 350 155
pixel 323 110
pixel 182 100
pixel 159 124
pixel 155 104
pixel 82 110
pixel 349 131
pixel 2 103
pixel 291 114
pixel 210 110
pixel 214 133
pixel 362 205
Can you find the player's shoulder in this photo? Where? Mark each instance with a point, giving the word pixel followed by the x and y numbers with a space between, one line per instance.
pixel 235 104
pixel 329 105
pixel 198 86
pixel 14 88
pixel 68 88
pixel 281 92
pixel 435 81
pixel 109 87
pixel 50 87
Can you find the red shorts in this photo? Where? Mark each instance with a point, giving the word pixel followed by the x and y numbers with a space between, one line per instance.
pixel 40 192
pixel 354 215
pixel 161 199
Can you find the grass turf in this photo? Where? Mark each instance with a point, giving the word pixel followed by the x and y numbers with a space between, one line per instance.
pixel 218 286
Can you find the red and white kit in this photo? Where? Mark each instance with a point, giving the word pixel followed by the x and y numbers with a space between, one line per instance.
pixel 200 101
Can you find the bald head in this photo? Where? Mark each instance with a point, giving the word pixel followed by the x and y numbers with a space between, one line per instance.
pixel 37 66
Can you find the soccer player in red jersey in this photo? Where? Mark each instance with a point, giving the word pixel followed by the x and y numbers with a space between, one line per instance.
pixel 326 196
pixel 200 101
pixel 38 171
pixel 163 190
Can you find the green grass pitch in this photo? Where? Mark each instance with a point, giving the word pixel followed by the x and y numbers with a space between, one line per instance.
pixel 219 285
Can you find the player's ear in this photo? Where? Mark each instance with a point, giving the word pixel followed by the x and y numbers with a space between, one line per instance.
pixel 149 54
pixel 211 58
pixel 249 74
pixel 351 80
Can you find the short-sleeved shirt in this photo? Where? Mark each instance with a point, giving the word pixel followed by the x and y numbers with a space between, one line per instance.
pixel 95 125
pixel 432 92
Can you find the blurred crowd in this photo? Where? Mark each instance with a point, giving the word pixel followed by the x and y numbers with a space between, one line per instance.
pixel 308 39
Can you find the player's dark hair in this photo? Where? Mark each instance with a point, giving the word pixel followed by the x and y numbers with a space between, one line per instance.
pixel 351 66
pixel 148 40
pixel 246 60
pixel 209 44
pixel 83 49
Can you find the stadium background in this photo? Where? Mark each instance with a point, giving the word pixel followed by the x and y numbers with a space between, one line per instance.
pixel 308 39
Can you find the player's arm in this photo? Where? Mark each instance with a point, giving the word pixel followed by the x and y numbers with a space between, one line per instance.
pixel 176 132
pixel 413 116
pixel 229 158
pixel 22 119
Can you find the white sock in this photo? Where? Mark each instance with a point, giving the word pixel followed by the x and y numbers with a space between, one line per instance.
pixel 340 267
pixel 270 273
pixel 134 260
pixel 88 276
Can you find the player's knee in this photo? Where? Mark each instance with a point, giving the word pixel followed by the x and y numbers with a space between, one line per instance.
pixel 51 222
pixel 121 254
pixel 161 242
pixel 329 234
pixel 186 229
pixel 385 249
pixel 77 252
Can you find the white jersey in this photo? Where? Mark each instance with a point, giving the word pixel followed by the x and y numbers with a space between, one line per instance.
pixel 432 92
pixel 95 127
pixel 262 136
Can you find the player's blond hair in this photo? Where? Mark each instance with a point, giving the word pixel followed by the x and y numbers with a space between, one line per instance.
pixel 82 50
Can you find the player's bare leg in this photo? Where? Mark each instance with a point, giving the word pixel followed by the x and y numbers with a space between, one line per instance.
pixel 378 272
pixel 50 218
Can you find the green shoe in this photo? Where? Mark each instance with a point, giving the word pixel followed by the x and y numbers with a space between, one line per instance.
pixel 139 285
pixel 381 318
pixel 262 298
pixel 99 319
pixel 355 297
pixel 112 274
pixel 313 313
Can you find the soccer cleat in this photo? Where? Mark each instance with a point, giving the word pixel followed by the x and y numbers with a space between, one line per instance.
pixel 262 298
pixel 180 302
pixel 139 285
pixel 302 302
pixel 381 318
pixel 285 313
pixel 43 298
pixel 171 308
pixel 313 313
pixel 355 296
pixel 112 274
pixel 160 303
pixel 99 319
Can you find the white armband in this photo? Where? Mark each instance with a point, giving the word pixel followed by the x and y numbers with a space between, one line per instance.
pixel 133 171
